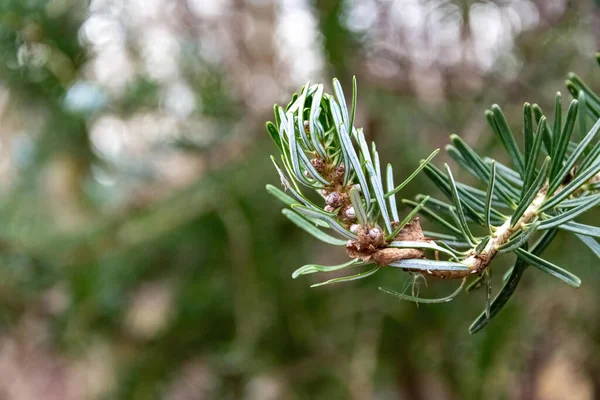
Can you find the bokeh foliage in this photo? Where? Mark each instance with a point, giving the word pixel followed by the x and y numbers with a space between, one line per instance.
pixel 149 288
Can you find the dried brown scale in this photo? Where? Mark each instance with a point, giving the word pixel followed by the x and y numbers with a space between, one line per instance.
pixel 369 248
pixel 388 255
pixel 318 164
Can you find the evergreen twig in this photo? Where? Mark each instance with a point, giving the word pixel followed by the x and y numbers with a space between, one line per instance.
pixel 321 150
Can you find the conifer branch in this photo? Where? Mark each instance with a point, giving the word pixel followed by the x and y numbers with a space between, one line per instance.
pixel 321 150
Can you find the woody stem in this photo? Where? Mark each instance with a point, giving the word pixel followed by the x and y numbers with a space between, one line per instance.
pixel 477 262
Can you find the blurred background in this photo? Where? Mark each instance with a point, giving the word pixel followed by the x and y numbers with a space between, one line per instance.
pixel 142 258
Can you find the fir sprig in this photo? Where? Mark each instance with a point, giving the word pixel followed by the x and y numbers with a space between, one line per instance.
pixel 543 190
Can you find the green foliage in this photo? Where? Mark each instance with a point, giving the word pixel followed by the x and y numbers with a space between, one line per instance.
pixel 526 202
pixel 217 245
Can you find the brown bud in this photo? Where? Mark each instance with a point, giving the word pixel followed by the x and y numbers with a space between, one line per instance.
pixel 374 233
pixel 339 171
pixel 319 164
pixel 350 213
pixel 329 209
pixel 334 199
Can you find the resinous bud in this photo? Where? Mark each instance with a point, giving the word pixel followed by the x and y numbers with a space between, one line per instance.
pixel 374 233
pixel 350 213
pixel 334 199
